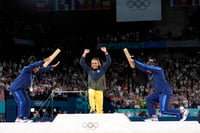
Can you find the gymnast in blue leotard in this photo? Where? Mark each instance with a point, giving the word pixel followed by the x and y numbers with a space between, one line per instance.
pixel 162 94
pixel 23 82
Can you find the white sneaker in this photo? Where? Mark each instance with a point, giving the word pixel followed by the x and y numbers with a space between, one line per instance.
pixel 18 120
pixel 29 121
pixel 185 115
pixel 151 119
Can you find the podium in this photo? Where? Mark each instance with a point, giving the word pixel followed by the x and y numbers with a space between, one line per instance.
pixel 101 123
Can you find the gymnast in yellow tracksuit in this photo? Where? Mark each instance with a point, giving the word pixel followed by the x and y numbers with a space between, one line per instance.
pixel 96 79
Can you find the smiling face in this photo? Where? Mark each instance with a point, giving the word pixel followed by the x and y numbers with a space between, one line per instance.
pixel 95 63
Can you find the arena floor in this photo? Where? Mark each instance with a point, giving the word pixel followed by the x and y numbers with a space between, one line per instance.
pixel 95 123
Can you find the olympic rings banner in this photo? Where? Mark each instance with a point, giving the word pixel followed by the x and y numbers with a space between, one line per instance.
pixel 138 10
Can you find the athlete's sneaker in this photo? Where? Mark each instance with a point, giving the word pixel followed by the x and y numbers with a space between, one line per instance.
pixel 151 119
pixel 93 112
pixel 18 120
pixel 29 121
pixel 184 114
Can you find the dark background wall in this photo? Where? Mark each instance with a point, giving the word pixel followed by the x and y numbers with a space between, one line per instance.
pixel 173 18
pixel 85 24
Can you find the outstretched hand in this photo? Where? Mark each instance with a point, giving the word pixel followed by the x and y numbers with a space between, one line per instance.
pixel 130 59
pixel 47 59
pixel 55 65
pixel 104 49
pixel 86 51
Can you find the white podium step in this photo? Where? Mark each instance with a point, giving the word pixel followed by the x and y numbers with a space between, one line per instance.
pixel 99 123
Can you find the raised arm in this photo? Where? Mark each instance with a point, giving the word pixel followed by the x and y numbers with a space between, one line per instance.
pixel 108 58
pixel 82 60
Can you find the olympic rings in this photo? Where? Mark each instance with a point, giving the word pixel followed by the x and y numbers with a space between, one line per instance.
pixel 90 125
pixel 138 4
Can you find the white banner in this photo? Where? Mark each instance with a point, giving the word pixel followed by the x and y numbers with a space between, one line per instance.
pixel 138 10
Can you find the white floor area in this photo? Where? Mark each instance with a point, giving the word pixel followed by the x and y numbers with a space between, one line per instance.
pixel 95 123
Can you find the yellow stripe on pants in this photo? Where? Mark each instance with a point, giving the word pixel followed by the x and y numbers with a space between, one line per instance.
pixel 96 100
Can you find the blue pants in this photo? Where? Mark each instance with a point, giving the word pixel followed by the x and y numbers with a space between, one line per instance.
pixel 23 103
pixel 164 103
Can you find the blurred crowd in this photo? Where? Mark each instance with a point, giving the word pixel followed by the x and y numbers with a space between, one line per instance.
pixel 126 87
